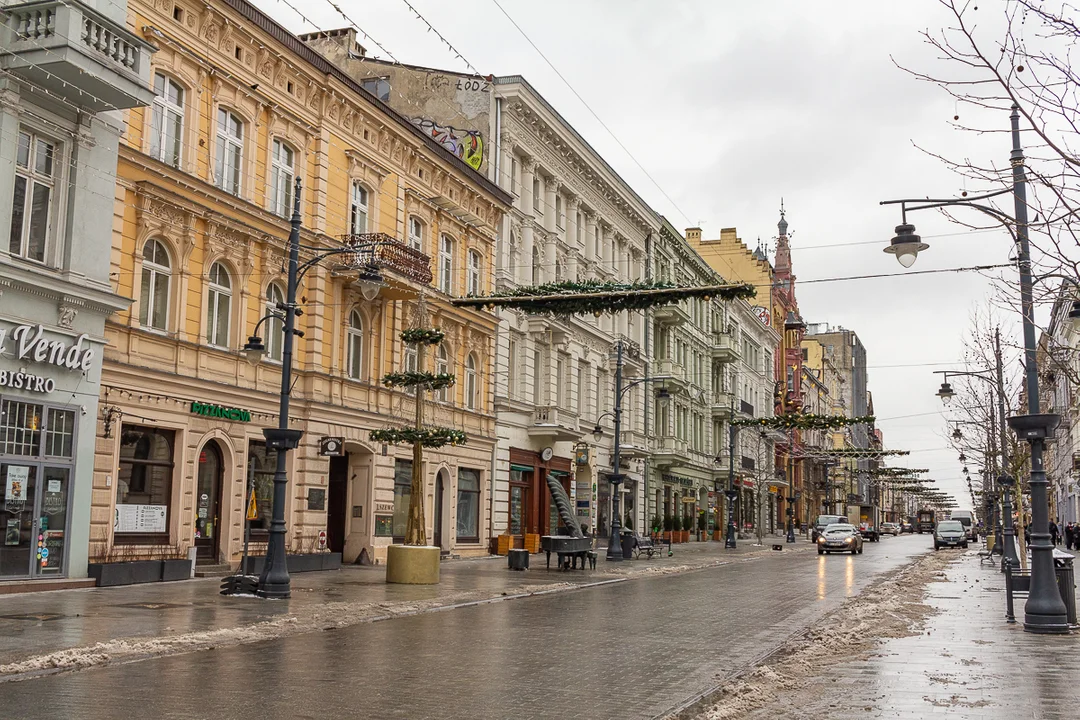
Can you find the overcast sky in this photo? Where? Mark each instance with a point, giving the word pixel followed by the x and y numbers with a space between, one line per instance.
pixel 732 106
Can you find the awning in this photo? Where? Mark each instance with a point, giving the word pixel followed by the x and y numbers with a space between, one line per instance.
pixel 522 468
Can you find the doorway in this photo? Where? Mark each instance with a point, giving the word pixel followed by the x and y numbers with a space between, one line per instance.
pixel 440 485
pixel 33 520
pixel 336 503
pixel 208 503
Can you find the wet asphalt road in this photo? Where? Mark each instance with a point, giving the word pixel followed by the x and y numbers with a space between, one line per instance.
pixel 629 650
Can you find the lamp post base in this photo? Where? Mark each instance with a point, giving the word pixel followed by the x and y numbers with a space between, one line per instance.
pixel 614 548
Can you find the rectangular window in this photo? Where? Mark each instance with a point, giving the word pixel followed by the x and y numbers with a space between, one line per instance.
pixel 230 138
pixel 474 273
pixel 358 219
pixel 514 176
pixel 416 234
pixel 468 505
pixel 167 120
pixel 20 428
pixel 580 405
pixel 446 264
pixel 281 179
pixel 379 87
pixel 144 480
pixel 60 433
pixel 402 492
pixel 31 206
pixel 511 371
pixel 519 484
pixel 562 392
pixel 538 207
pixel 537 382
pixel 560 216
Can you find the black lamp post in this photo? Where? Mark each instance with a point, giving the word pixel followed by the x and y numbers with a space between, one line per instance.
pixel 614 551
pixel 274 581
pixel 1044 611
pixel 791 518
pixel 731 493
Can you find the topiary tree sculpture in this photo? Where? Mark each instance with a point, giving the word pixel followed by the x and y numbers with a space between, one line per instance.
pixel 420 435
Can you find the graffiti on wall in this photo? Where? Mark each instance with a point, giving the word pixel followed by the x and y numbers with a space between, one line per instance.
pixel 466 144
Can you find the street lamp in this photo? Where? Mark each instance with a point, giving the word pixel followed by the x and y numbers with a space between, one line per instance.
pixel 946 393
pixel 614 551
pixel 1044 611
pixel 274 581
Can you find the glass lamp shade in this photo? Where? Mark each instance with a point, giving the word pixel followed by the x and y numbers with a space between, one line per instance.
pixel 254 349
pixel 906 245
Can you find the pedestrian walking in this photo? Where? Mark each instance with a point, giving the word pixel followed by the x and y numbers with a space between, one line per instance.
pixel 1027 534
pixel 1054 533
pixel 1069 534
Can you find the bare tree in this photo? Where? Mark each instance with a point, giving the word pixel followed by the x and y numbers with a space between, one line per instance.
pixel 996 55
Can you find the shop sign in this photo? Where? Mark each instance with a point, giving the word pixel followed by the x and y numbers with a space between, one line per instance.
pixel 679 480
pixel 217 411
pixel 28 343
pixel 332 446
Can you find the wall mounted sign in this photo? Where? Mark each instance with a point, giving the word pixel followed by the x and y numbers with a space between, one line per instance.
pixel 316 499
pixel 679 480
pixel 763 314
pixel 384 507
pixel 28 342
pixel 217 411
pixel 384 526
pixel 332 446
pixel 581 455
pixel 140 518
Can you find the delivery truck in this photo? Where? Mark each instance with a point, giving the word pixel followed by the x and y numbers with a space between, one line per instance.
pixel 865 517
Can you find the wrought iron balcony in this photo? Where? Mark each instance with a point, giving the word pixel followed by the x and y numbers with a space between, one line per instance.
pixel 388 253
pixel 76 53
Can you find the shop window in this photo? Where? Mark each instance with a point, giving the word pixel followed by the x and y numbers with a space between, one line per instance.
pixel 468 505
pixel 144 480
pixel 167 120
pixel 519 488
pixel 402 492
pixel 60 433
pixel 31 206
pixel 263 464
pixel 230 148
pixel 154 293
pixel 20 428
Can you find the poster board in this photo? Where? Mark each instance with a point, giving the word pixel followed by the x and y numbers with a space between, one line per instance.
pixel 140 518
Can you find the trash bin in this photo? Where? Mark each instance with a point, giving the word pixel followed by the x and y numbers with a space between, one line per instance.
pixel 628 545
pixel 1066 580
pixel 517 559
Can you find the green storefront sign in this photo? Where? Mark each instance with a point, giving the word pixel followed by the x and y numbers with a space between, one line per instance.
pixel 216 411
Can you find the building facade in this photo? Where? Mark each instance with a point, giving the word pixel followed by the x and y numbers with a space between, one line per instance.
pixel 1059 372
pixel 61 104
pixel 205 190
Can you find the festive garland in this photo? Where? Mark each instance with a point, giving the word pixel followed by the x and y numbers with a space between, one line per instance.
pixel 887 472
pixel 432 381
pixel 432 437
pixel 595 296
pixel 799 421
pixel 426 336
pixel 857 453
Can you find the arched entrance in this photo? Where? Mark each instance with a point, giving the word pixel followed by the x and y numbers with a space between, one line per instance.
pixel 211 476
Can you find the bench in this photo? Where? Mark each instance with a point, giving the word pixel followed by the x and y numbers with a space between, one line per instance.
pixel 649 547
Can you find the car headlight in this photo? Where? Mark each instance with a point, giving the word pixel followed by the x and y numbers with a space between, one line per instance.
pixel 821 538
pixel 848 540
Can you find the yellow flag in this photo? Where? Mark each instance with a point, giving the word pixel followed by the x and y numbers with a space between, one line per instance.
pixel 253 512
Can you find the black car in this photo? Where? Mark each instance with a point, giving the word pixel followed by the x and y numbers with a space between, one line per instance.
pixel 950 533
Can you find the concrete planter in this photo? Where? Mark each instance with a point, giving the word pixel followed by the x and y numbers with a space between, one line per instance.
pixel 126 573
pixel 308 562
pixel 172 570
pixel 412 564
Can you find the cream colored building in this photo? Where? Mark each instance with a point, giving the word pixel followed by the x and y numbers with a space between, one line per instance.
pixel 202 203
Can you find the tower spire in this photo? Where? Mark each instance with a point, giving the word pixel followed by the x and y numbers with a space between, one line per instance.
pixel 782 226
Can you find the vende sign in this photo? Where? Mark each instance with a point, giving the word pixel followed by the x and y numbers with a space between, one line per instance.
pixel 27 343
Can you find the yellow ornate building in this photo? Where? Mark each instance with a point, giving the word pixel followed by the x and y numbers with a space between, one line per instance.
pixel 203 198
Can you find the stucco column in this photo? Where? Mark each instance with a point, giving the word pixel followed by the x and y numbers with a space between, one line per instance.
pixel 506 163
pixel 524 269
pixel 573 205
pixel 590 233
pixel 551 189
pixel 606 242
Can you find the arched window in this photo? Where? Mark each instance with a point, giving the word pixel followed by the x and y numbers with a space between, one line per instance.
pixel 154 294
pixel 275 330
pixel 416 233
pixel 281 179
pixel 471 383
pixel 167 120
pixel 358 217
pixel 474 273
pixel 218 306
pixel 442 365
pixel 230 151
pixel 355 345
pixel 446 264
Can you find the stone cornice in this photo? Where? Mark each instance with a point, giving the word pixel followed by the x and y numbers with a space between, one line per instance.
pixel 64 292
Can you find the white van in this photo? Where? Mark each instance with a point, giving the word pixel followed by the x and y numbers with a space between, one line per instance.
pixel 967 519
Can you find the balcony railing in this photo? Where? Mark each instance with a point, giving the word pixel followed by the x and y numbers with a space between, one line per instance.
pixel 724 347
pixel 386 252
pixel 72 50
pixel 551 421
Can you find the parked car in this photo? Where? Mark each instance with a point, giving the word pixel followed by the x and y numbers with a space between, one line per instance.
pixel 967 519
pixel 822 522
pixel 840 537
pixel 888 528
pixel 950 533
pixel 907 527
